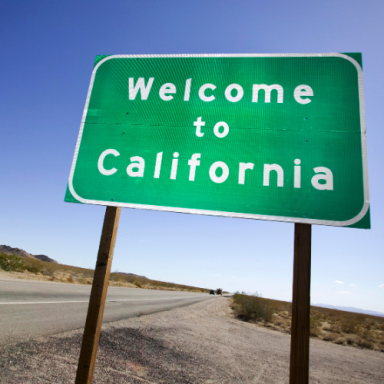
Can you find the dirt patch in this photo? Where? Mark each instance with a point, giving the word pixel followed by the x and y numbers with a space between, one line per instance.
pixel 201 343
pixel 61 277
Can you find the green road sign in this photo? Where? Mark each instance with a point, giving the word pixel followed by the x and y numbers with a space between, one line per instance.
pixel 271 137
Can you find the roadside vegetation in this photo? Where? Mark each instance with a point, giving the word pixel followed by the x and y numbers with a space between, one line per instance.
pixel 339 327
pixel 24 267
pixel 252 308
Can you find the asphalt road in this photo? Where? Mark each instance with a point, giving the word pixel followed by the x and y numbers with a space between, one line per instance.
pixel 31 309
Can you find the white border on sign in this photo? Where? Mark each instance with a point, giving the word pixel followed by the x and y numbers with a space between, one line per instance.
pixel 235 214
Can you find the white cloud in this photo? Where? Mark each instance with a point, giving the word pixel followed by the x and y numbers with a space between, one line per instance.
pixel 338 282
pixel 353 285
pixel 343 293
pixel 381 286
pixel 217 274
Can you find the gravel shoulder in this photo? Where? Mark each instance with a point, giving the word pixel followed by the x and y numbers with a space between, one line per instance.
pixel 200 343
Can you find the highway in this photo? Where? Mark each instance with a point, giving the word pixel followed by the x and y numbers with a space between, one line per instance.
pixel 33 308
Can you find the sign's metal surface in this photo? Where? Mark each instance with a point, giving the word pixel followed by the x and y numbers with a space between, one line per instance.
pixel 272 137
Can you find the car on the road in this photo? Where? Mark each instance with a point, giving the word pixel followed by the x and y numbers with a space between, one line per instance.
pixel 211 292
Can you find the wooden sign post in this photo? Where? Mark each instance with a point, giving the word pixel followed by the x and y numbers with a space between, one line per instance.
pixel 299 364
pixel 98 295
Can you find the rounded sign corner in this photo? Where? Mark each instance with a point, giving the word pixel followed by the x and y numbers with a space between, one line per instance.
pixel 74 194
pixel 351 60
pixel 102 62
pixel 358 217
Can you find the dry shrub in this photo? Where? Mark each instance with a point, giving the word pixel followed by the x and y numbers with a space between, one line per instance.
pixel 326 327
pixel 352 340
pixel 252 308
pixel 285 314
pixel 114 277
pixel 368 324
pixel 329 336
pixel 282 322
pixel 341 341
pixel 341 327
pixel 367 334
pixel 336 328
pixel 13 263
pixel 365 344
pixel 314 332
pixel 279 321
pixel 349 326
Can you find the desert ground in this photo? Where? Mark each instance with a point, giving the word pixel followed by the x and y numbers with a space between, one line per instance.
pixel 200 343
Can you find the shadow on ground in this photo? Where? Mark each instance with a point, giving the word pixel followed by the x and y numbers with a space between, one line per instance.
pixel 126 355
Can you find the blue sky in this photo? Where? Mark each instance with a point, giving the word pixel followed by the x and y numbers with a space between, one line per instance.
pixel 48 49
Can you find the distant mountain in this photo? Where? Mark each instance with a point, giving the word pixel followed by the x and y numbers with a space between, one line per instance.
pixel 20 252
pixel 350 309
pixel 45 258
pixel 14 251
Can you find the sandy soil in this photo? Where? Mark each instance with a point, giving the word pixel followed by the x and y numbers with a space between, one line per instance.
pixel 69 278
pixel 201 343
